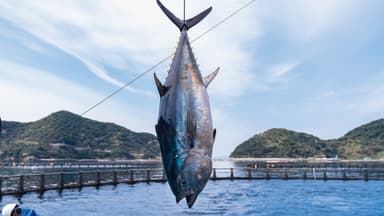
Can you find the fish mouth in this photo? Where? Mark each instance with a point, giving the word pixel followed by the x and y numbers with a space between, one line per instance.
pixel 190 198
pixel 191 178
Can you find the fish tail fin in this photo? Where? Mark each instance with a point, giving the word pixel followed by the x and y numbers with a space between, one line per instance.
pixel 184 24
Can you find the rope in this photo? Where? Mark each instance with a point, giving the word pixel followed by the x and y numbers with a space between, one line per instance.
pixel 127 84
pixel 224 20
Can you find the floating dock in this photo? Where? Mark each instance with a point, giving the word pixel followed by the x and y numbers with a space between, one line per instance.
pixel 20 184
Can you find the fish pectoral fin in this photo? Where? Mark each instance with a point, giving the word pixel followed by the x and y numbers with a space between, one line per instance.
pixel 214 134
pixel 160 87
pixel 191 129
pixel 208 79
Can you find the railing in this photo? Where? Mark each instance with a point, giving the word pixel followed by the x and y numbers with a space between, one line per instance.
pixel 20 184
pixel 133 164
pixel 298 173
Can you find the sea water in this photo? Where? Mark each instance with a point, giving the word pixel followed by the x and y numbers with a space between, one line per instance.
pixel 224 197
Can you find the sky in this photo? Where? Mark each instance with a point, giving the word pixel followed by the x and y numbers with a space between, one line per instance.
pixel 310 66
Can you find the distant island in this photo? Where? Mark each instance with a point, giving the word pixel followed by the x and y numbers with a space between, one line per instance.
pixel 66 135
pixel 366 141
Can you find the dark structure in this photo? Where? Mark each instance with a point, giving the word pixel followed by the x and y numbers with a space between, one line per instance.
pixel 20 184
pixel 184 127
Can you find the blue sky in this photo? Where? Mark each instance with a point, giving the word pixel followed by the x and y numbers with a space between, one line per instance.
pixel 309 66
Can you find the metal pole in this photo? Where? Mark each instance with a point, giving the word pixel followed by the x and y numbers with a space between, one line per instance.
pixel 114 177
pixel 80 179
pixel 148 176
pixel 97 178
pixel 21 184
pixel 344 174
pixel 366 174
pixel 42 182
pixel 61 181
pixel 131 177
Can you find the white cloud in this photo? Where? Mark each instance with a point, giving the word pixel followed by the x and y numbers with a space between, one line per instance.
pixel 308 20
pixel 28 94
pixel 364 99
pixel 117 34
pixel 278 73
pixel 67 27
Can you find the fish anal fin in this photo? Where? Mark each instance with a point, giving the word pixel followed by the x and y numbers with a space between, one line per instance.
pixel 208 79
pixel 160 87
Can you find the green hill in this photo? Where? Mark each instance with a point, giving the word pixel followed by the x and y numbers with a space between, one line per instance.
pixel 67 135
pixel 364 141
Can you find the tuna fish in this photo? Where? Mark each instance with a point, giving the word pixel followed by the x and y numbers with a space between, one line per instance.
pixel 184 128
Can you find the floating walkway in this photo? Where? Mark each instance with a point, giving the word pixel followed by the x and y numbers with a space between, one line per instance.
pixel 93 164
pixel 20 184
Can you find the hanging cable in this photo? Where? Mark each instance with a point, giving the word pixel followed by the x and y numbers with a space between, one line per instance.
pixel 127 84
pixel 184 12
pixel 168 57
pixel 224 20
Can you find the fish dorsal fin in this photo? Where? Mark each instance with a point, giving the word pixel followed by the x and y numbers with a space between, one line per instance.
pixel 160 87
pixel 208 79
pixel 181 24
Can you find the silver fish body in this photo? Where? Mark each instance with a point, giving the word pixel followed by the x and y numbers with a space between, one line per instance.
pixel 184 127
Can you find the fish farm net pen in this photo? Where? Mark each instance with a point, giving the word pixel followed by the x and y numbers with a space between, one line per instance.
pixel 165 59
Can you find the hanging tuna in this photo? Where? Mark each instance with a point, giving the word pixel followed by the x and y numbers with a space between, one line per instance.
pixel 184 128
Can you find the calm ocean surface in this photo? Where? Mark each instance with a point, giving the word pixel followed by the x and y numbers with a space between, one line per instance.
pixel 241 197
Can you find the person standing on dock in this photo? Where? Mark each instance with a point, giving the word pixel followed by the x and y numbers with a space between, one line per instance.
pixel 15 210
